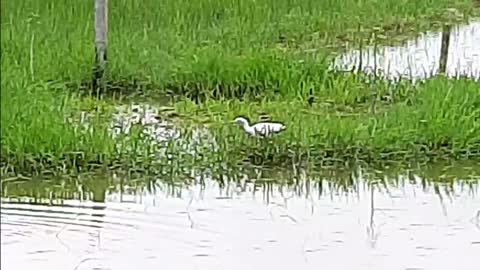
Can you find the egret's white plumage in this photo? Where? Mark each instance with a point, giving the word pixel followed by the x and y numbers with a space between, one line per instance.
pixel 262 129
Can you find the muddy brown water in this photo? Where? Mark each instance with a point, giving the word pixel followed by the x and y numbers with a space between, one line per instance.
pixel 401 223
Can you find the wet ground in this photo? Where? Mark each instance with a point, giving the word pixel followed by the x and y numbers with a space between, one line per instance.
pixel 398 223
pixel 420 58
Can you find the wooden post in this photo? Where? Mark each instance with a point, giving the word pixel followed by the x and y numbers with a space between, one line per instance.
pixel 444 49
pixel 101 29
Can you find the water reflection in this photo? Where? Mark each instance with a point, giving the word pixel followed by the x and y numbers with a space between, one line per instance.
pixel 146 129
pixel 420 58
pixel 387 222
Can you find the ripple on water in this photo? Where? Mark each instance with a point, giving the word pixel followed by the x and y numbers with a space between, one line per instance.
pixel 411 230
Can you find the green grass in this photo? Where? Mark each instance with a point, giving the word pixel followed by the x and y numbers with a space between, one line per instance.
pixel 271 52
pixel 438 119
pixel 35 131
pixel 164 40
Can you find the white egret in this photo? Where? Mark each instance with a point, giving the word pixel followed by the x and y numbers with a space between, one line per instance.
pixel 260 129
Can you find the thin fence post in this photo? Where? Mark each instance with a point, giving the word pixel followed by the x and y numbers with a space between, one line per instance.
pixel 101 42
pixel 444 49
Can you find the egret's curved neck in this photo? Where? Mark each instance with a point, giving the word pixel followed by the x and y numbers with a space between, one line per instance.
pixel 248 129
pixel 245 125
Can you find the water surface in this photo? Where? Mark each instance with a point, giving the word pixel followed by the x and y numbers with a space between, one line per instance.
pixel 397 223
pixel 420 58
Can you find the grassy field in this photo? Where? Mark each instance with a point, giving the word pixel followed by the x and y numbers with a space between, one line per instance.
pixel 239 57
pixel 438 119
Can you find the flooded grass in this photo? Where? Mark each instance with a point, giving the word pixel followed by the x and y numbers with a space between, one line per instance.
pixel 419 58
pixel 219 59
pixel 437 119
pixel 93 186
pixel 386 172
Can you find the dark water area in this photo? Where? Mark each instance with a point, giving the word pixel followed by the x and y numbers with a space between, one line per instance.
pixel 339 220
